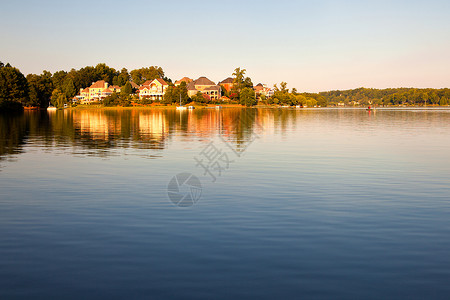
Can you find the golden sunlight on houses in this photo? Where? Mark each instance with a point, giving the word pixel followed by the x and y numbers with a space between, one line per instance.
pixel 205 86
pixel 153 89
pixel 96 92
pixel 263 90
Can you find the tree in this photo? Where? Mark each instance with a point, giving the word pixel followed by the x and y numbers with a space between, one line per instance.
pixel 248 97
pixel 139 76
pixel 248 82
pixel 68 88
pixel 283 87
pixel 122 78
pixel 58 79
pixel 58 98
pixel 40 89
pixel 182 93
pixel 200 98
pixel 175 94
pixel 126 90
pixel 239 75
pixel 103 72
pixel 13 88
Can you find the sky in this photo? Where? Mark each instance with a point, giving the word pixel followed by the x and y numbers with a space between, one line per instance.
pixel 312 45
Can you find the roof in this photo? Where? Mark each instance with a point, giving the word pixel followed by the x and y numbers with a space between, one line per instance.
pixel 107 91
pixel 86 90
pixel 213 88
pixel 228 80
pixel 147 82
pixel 134 85
pixel 184 79
pixel 98 84
pixel 144 87
pixel 191 86
pixel 258 87
pixel 162 81
pixel 203 81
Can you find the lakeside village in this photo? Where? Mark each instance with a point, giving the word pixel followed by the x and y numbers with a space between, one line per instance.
pixel 149 86
pixel 158 91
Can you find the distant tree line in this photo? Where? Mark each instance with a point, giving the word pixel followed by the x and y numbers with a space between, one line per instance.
pixel 282 96
pixel 397 96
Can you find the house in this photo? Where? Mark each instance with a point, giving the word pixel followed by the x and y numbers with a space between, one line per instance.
pixel 205 86
pixel 153 89
pixel 99 90
pixel 96 92
pixel 184 79
pixel 227 83
pixel 83 96
pixel 115 88
pixel 262 90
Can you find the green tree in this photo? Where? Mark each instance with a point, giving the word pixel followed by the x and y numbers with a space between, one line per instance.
pixel 247 97
pixel 58 79
pixel 122 78
pixel 248 82
pixel 68 88
pixel 126 90
pixel 13 88
pixel 174 94
pixel 111 100
pixel 103 72
pixel 58 98
pixel 200 98
pixel 40 89
pixel 139 76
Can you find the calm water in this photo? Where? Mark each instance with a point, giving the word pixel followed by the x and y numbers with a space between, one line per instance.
pixel 313 204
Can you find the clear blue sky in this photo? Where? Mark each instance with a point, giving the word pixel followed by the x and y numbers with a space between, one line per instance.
pixel 312 45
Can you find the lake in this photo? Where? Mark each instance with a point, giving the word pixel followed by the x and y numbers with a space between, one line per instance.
pixel 225 204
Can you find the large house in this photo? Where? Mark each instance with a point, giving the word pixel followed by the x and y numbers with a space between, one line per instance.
pixel 205 86
pixel 153 89
pixel 227 83
pixel 96 92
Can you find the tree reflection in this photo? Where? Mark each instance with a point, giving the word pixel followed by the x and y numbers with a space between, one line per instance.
pixel 99 132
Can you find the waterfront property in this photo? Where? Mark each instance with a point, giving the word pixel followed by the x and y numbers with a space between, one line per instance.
pixel 227 84
pixel 98 91
pixel 263 90
pixel 153 89
pixel 205 86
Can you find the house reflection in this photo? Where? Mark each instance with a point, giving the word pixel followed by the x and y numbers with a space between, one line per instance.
pixel 100 131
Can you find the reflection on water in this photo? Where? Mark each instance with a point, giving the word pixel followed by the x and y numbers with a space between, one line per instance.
pixel 95 132
pixel 326 204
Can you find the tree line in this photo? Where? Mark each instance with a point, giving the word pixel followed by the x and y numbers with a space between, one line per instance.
pixel 393 96
pixel 33 90
pixel 59 88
